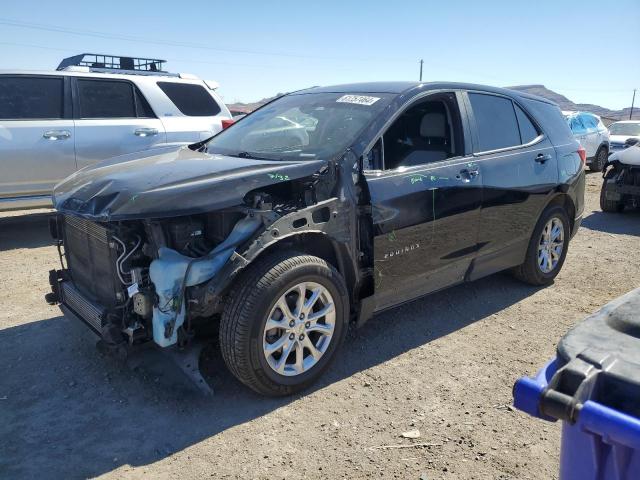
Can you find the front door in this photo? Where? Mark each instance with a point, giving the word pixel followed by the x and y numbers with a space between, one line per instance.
pixel 113 118
pixel 36 135
pixel 425 201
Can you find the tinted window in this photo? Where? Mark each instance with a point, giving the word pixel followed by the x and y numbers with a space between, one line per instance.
pixel 528 131
pixel 495 120
pixel 192 100
pixel 30 97
pixel 143 109
pixel 106 99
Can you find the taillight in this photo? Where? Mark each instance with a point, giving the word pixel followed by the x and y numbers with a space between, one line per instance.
pixel 227 123
pixel 582 152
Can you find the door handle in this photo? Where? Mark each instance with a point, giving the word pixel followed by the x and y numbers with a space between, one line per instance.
pixel 56 134
pixel 542 157
pixel 146 132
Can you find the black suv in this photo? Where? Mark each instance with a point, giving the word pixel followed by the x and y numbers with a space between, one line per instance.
pixel 324 206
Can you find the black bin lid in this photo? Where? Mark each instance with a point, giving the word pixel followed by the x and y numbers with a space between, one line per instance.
pixel 599 359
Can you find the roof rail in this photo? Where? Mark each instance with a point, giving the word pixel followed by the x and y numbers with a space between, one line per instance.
pixel 95 62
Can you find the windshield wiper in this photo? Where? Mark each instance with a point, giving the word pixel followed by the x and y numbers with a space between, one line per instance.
pixel 251 156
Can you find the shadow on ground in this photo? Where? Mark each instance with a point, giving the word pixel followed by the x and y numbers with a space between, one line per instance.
pixel 67 411
pixel 25 231
pixel 625 223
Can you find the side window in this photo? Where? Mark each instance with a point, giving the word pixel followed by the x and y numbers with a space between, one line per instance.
pixel 577 127
pixel 28 98
pixel 590 122
pixel 495 120
pixel 192 100
pixel 427 132
pixel 528 131
pixel 106 99
pixel 143 109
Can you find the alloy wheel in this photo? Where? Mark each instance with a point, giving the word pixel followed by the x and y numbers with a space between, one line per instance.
pixel 551 245
pixel 299 329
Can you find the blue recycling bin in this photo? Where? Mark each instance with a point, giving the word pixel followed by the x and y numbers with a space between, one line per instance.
pixel 593 387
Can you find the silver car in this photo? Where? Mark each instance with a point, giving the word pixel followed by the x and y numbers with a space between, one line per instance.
pixel 92 108
pixel 589 130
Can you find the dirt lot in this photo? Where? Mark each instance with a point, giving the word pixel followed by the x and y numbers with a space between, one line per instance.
pixel 443 365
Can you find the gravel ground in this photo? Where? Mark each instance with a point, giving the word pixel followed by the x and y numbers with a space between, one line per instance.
pixel 443 365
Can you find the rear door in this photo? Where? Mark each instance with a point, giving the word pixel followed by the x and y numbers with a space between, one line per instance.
pixel 112 118
pixel 593 133
pixel 580 133
pixel 36 134
pixel 425 215
pixel 519 170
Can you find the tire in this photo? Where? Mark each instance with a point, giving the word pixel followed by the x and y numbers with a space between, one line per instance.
pixel 609 206
pixel 531 271
pixel 256 297
pixel 597 165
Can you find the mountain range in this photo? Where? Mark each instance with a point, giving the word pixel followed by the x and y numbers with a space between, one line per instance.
pixel 540 90
pixel 566 104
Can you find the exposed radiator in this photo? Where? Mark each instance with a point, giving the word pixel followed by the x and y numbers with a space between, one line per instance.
pixel 90 260
pixel 89 312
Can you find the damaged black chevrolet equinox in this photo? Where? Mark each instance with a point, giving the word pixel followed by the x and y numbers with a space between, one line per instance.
pixel 323 207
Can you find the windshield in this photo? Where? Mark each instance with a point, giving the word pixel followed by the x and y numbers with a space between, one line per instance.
pixel 301 126
pixel 630 129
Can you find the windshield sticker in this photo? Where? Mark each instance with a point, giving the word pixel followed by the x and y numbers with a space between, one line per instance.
pixel 358 99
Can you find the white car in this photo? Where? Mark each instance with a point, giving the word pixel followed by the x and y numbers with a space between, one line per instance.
pixel 620 132
pixel 92 108
pixel 589 130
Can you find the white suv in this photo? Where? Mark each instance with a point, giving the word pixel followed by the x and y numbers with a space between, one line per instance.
pixel 589 130
pixel 92 108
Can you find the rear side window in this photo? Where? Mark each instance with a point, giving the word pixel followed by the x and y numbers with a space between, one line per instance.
pixel 192 100
pixel 528 131
pixel 576 125
pixel 590 122
pixel 106 99
pixel 28 98
pixel 495 120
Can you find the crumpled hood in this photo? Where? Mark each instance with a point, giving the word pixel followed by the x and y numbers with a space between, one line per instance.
pixel 169 181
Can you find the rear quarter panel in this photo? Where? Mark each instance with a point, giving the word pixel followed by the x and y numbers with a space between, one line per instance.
pixel 571 176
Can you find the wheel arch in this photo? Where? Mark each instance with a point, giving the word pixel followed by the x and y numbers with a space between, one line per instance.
pixel 565 201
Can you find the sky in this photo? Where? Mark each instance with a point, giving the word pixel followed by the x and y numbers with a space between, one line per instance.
pixel 586 50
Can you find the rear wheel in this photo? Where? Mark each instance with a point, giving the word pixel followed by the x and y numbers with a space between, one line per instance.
pixel 600 159
pixel 547 248
pixel 284 322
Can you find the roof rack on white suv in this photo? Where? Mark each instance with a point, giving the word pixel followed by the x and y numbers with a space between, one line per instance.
pixel 96 62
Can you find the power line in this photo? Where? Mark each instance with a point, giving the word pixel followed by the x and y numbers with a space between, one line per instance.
pixel 131 38
pixel 182 60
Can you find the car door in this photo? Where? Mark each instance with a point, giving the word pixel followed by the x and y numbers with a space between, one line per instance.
pixel 425 218
pixel 519 169
pixel 36 134
pixel 580 133
pixel 112 118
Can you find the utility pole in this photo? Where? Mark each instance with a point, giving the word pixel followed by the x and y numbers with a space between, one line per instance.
pixel 422 61
pixel 633 101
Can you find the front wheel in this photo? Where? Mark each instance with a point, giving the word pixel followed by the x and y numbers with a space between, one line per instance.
pixel 283 323
pixel 600 160
pixel 547 248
